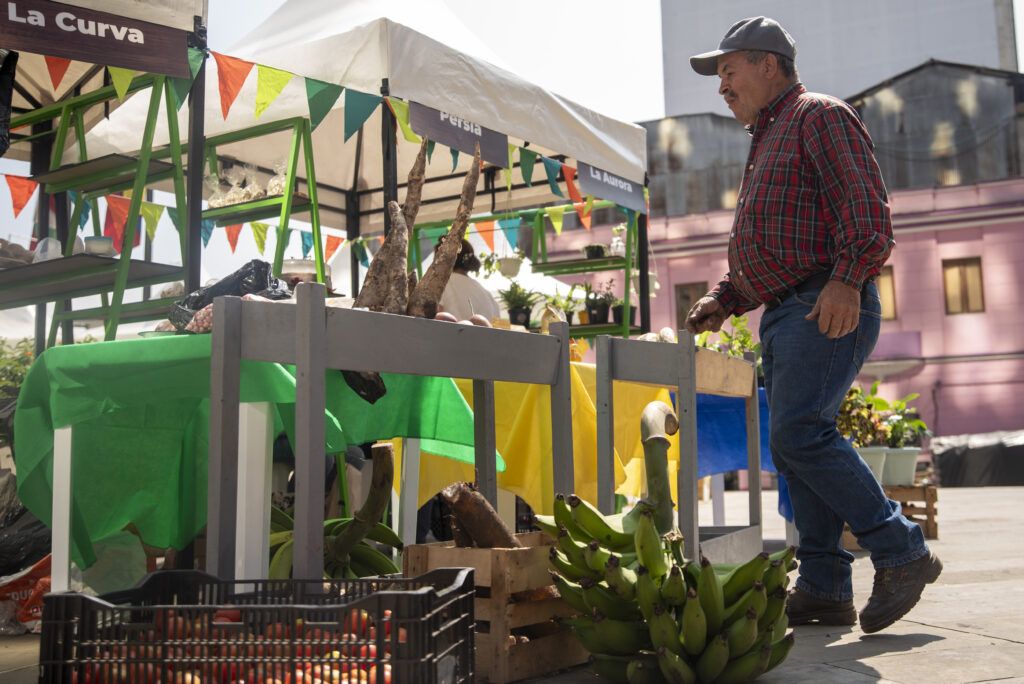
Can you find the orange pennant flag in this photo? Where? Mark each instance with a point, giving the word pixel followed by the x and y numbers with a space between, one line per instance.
pixel 231 74
pixel 57 66
pixel 486 230
pixel 22 190
pixel 117 218
pixel 580 208
pixel 570 183
pixel 333 243
pixel 233 233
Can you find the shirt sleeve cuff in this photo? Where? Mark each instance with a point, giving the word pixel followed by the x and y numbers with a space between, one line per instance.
pixel 852 272
pixel 726 296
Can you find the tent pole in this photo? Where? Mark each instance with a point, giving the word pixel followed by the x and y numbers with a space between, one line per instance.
pixel 643 266
pixel 389 150
pixel 196 157
pixel 40 163
pixel 352 215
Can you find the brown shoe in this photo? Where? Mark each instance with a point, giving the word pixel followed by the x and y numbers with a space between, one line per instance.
pixel 897 590
pixel 804 609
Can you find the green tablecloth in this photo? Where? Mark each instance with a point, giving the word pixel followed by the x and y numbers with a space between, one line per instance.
pixel 140 411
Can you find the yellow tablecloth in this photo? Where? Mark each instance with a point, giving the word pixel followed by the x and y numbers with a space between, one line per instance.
pixel 523 437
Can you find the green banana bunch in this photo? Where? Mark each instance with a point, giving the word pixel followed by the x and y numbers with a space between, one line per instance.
pixel 739 580
pixel 547 525
pixel 709 590
pixel 598 596
pixel 755 598
pixel 281 561
pixel 714 658
pixel 673 590
pixel 367 561
pixel 775 575
pixel 563 518
pixel 745 668
pixel 596 556
pixel 607 636
pixel 647 593
pixel 694 632
pixel 620 579
pixel 674 669
pixel 565 568
pixel 608 530
pixel 649 549
pixel 570 592
pixel 743 634
pixel 664 630
pixel 572 549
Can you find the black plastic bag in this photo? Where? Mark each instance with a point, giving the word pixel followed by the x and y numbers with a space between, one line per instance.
pixel 23 542
pixel 253 278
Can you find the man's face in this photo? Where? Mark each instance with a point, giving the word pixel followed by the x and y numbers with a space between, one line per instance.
pixel 745 86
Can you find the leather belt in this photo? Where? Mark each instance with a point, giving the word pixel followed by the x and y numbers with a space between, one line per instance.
pixel 815 282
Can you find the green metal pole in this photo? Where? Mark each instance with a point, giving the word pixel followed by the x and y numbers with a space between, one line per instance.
pixel 62 135
pixel 123 265
pixel 314 209
pixel 179 173
pixel 628 272
pixel 286 201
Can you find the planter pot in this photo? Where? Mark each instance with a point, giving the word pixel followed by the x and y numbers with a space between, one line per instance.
pixel 509 266
pixel 568 316
pixel 595 251
pixel 617 314
pixel 520 316
pixel 584 317
pixel 900 466
pixel 597 313
pixel 875 458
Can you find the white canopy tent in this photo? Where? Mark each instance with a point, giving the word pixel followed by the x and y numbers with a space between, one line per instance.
pixel 425 55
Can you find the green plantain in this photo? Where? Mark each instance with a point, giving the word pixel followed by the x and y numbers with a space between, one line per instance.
pixel 622 637
pixel 694 632
pixel 565 568
pixel 673 590
pixel 755 598
pixel 643 671
pixel 743 634
pixel 709 589
pixel 570 592
pixel 775 575
pixel 675 669
pixel 563 518
pixel 664 630
pixel 714 659
pixel 547 525
pixel 776 606
pixel 649 549
pixel 736 583
pixel 780 649
pixel 622 580
pixel 608 530
pixel 599 596
pixel 596 556
pixel 746 668
pixel 572 549
pixel 646 592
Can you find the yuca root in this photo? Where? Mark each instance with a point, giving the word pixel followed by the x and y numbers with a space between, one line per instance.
pixel 396 297
pixel 475 516
pixel 424 300
pixel 373 508
pixel 414 188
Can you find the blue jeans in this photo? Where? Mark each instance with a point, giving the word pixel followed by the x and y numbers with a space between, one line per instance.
pixel 806 377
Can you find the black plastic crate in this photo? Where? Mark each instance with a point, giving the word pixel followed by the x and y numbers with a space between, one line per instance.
pixel 187 626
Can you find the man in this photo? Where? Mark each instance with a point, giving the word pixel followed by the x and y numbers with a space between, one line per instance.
pixel 812 230
pixel 463 296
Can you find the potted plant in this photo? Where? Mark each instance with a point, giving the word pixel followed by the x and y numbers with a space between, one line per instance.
pixel 861 423
pixel 595 251
pixel 617 247
pixel 565 303
pixel 598 302
pixel 906 433
pixel 519 301
pixel 510 265
pixel 736 342
pixel 617 308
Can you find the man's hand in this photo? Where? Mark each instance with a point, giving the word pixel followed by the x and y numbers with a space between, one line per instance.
pixel 706 314
pixel 837 309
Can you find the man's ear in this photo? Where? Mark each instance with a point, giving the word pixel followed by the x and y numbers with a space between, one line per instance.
pixel 770 65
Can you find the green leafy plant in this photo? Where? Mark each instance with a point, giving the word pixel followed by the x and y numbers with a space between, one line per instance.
pixel 489 265
pixel 605 293
pixel 566 303
pixel 518 297
pixel 860 421
pixel 15 359
pixel 904 426
pixel 736 342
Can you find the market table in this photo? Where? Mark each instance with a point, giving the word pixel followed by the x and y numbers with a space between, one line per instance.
pixel 139 410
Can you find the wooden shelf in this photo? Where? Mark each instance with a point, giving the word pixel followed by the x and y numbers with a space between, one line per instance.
pixel 580 266
pixel 266 207
pixel 109 171
pixel 75 276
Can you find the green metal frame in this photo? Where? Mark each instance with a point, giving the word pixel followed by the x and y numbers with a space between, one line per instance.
pixel 70 113
pixel 285 205
pixel 539 258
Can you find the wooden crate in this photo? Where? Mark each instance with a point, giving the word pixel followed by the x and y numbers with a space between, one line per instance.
pixel 503 607
pixel 918 504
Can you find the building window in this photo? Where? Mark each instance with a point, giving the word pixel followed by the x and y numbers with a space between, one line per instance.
pixel 887 294
pixel 687 295
pixel 962 283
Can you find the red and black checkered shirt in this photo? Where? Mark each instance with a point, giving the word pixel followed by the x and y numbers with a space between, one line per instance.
pixel 812 199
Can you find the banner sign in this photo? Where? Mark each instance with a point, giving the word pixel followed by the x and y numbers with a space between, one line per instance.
pixel 594 181
pixel 59 30
pixel 459 133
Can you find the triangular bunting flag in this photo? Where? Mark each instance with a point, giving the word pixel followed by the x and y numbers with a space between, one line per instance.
pixel 206 231
pixel 589 205
pixel 172 213
pixel 22 190
pixel 151 214
pixel 181 86
pixel 117 218
pixel 83 218
pixel 455 158
pixel 570 183
pixel 551 168
pixel 259 233
pixel 556 216
pixel 321 97
pixel 430 149
pixel 510 227
pixel 232 232
pixel 360 251
pixel 269 84
pixel 333 243
pixel 400 108
pixel 582 213
pixel 57 66
pixel 307 242
pixel 358 108
pixel 122 80
pixel 486 231
pixel 527 158
pixel 231 74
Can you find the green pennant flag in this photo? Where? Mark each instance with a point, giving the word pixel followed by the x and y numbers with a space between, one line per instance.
pixel 122 79
pixel 259 233
pixel 552 167
pixel 430 149
pixel 455 158
pixel 269 84
pixel 527 158
pixel 172 213
pixel 358 108
pixel 321 97
pixel 151 214
pixel 181 86
pixel 556 216
pixel 401 110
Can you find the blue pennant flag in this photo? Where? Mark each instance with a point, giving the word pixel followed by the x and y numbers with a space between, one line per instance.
pixel 553 167
pixel 207 231
pixel 307 243
pixel 359 249
pixel 86 208
pixel 510 227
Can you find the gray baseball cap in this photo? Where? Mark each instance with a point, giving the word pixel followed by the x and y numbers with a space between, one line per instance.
pixel 755 33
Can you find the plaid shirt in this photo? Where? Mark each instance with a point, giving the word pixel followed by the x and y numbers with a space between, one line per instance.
pixel 812 199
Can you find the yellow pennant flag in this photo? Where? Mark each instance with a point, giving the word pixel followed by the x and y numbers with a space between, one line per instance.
pixel 269 84
pixel 122 79
pixel 401 111
pixel 151 214
pixel 259 233
pixel 556 215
